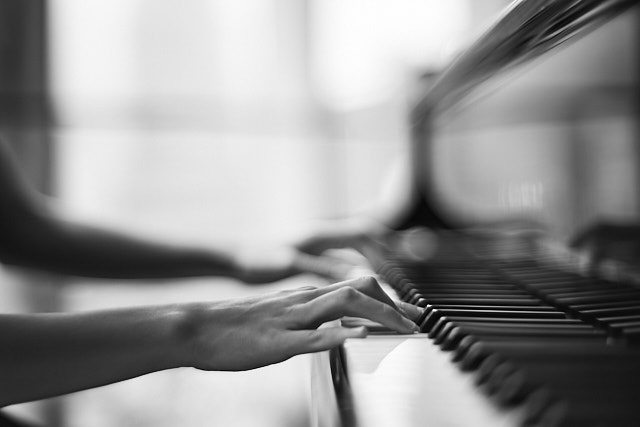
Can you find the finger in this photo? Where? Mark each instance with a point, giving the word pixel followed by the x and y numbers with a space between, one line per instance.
pixel 413 312
pixel 368 285
pixel 290 297
pixel 300 289
pixel 348 301
pixel 311 341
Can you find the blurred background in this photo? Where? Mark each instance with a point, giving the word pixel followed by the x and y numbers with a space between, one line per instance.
pixel 243 121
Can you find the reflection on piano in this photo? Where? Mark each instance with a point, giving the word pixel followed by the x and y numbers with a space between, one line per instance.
pixel 514 331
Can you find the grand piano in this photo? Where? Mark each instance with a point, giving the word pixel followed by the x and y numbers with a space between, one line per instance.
pixel 515 147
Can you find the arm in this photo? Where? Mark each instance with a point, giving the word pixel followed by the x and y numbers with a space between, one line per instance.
pixel 45 355
pixel 33 234
pixel 375 222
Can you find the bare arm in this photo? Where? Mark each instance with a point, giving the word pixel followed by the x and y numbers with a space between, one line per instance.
pixel 46 355
pixel 32 234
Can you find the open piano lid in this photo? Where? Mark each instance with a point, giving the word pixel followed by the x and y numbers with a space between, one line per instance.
pixel 526 30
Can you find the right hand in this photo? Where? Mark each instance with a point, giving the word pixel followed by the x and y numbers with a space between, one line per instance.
pixel 254 332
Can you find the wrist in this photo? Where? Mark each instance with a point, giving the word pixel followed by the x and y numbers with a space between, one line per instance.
pixel 211 262
pixel 188 323
pixel 179 323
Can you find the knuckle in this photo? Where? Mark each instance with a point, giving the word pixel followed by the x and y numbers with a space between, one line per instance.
pixel 307 293
pixel 368 282
pixel 348 293
pixel 296 317
pixel 315 341
pixel 387 310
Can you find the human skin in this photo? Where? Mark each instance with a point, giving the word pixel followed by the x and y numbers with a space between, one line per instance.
pixel 45 355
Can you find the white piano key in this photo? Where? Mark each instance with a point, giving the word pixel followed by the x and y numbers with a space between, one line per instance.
pixel 408 381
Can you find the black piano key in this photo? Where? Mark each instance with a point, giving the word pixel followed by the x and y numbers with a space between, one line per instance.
pixel 440 296
pixel 612 311
pixel 481 299
pixel 441 325
pixel 601 292
pixel 409 291
pixel 495 283
pixel 428 308
pixel 619 319
pixel 470 308
pixel 598 305
pixel 556 285
pixel 602 297
pixel 436 315
pixel 450 334
pixel 478 301
pixel 416 295
pixel 450 337
pixel 487 367
pixel 471 351
pixel 457 281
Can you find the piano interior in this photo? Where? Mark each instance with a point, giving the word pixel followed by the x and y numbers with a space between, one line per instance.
pixel 519 238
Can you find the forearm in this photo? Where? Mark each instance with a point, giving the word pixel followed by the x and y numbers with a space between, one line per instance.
pixel 47 242
pixel 46 355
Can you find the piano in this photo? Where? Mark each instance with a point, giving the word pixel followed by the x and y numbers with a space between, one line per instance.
pixel 507 145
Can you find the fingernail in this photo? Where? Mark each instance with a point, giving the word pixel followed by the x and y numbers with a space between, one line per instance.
pixel 406 306
pixel 410 325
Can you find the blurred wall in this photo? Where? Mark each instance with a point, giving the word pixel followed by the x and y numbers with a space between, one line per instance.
pixel 24 110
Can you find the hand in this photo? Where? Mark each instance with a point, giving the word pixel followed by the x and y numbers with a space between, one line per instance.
pixel 340 234
pixel 249 333
pixel 261 265
pixel 308 253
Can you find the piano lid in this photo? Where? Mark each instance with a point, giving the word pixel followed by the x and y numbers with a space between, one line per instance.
pixel 526 30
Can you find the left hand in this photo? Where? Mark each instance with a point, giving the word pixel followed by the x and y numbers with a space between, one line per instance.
pixel 349 233
pixel 261 265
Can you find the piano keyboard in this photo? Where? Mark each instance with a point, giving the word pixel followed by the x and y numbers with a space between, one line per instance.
pixel 541 345
pixel 560 345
